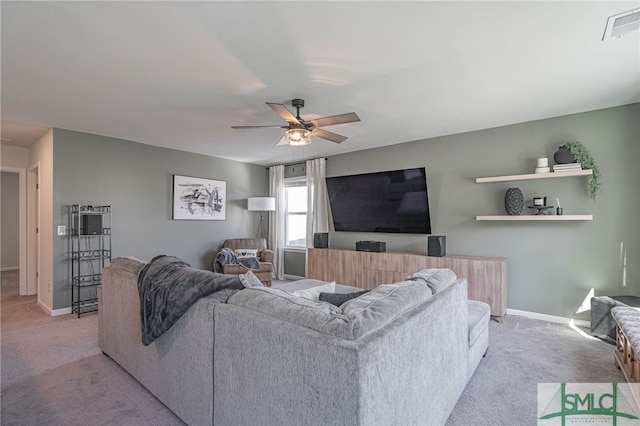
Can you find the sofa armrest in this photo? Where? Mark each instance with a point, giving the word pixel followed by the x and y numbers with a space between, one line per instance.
pixel 266 256
pixel 176 368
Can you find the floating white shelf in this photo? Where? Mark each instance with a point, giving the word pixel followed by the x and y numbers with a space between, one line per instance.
pixel 534 176
pixel 538 217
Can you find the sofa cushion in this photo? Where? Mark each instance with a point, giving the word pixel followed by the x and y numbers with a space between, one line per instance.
pixel 353 320
pixel 338 299
pixel 437 279
pixel 319 316
pixel 291 286
pixel 383 304
pixel 313 293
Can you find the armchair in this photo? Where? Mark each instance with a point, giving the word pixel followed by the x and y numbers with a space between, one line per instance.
pixel 265 256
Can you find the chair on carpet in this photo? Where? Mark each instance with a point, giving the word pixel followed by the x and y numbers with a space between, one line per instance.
pixel 244 246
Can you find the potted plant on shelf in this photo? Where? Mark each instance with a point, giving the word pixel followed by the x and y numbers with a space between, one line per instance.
pixel 582 155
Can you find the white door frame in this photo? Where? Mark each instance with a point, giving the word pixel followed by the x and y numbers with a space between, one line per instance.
pixel 22 224
pixel 33 219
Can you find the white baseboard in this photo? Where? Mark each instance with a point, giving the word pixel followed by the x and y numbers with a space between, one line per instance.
pixel 63 311
pixel 9 268
pixel 292 277
pixel 550 318
pixel 54 312
pixel 44 307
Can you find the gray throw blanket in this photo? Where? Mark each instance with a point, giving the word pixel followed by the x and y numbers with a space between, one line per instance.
pixel 226 256
pixel 168 287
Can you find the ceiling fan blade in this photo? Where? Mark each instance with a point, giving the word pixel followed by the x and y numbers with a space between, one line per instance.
pixel 349 117
pixel 330 136
pixel 260 127
pixel 283 112
pixel 282 140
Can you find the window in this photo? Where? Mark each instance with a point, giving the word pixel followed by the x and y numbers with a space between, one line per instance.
pixel 296 213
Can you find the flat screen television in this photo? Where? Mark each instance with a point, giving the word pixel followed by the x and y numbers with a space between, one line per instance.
pixel 392 202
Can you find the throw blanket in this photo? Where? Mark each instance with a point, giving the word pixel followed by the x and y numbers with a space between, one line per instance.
pixel 168 287
pixel 226 256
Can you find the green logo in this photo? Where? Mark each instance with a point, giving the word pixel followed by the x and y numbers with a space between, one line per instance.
pixel 586 401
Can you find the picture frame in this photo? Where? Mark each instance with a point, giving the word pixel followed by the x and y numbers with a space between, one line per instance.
pixel 199 198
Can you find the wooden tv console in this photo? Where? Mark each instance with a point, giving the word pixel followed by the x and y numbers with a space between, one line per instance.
pixel 486 276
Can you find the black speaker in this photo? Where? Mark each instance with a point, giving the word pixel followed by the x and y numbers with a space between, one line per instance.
pixel 91 224
pixel 437 246
pixel 321 240
pixel 374 246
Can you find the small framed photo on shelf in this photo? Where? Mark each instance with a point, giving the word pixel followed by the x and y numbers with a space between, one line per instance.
pixel 198 198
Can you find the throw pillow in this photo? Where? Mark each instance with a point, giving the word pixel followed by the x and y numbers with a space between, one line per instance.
pixel 242 253
pixel 338 299
pixel 313 293
pixel 250 280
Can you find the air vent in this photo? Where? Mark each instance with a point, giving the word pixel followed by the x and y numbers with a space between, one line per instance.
pixel 621 24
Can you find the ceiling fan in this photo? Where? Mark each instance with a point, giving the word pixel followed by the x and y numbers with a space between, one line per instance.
pixel 299 130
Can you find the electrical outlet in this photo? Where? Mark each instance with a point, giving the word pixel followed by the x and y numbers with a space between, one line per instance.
pixel 62 230
pixel 49 287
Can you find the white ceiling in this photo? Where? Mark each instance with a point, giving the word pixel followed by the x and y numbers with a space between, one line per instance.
pixel 180 74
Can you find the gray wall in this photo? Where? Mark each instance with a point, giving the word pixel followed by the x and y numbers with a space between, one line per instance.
pixel 552 265
pixel 136 180
pixel 9 229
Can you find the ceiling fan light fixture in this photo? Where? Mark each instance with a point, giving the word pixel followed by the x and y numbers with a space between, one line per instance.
pixel 299 131
pixel 298 137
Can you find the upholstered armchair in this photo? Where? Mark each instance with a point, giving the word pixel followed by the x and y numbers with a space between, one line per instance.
pixel 264 255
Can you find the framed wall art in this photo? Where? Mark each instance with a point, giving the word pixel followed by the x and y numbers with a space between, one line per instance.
pixel 198 198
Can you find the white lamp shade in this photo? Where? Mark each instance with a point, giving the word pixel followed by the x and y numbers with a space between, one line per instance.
pixel 261 204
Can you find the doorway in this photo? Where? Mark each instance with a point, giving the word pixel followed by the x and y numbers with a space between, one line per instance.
pixel 21 223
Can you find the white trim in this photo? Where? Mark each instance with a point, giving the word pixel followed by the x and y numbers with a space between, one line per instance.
pixel 295 182
pixel 35 249
pixel 9 268
pixel 293 249
pixel 54 312
pixel 550 318
pixel 293 277
pixel 22 225
pixel 63 311
pixel 44 307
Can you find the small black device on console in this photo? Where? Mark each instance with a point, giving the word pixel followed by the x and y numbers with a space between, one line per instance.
pixel 321 240
pixel 376 246
pixel 437 246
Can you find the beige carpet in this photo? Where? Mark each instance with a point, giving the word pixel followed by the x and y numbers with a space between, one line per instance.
pixel 53 372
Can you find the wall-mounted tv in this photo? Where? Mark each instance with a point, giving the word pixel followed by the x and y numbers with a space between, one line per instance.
pixel 394 202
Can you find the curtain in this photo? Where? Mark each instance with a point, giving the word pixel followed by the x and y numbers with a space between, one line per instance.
pixel 276 220
pixel 317 201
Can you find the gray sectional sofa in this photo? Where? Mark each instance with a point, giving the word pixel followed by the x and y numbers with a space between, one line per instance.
pixel 398 355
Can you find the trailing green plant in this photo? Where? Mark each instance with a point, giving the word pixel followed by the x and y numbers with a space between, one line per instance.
pixel 584 157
